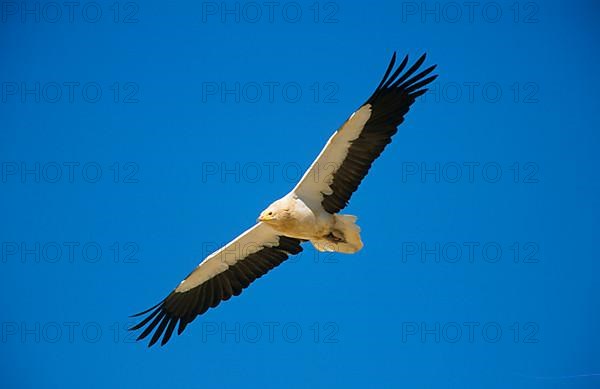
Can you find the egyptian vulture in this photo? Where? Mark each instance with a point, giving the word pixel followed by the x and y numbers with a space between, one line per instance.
pixel 310 212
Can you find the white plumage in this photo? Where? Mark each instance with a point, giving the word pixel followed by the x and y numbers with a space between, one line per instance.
pixel 310 212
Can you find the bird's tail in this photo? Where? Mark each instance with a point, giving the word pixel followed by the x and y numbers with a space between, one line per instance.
pixel 344 238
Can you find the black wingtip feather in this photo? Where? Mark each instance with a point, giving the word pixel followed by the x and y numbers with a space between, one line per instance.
pixel 159 330
pixel 396 73
pixel 178 309
pixel 406 84
pixel 146 311
pixel 416 87
pixel 146 320
pixel 181 327
pixel 151 326
pixel 388 71
pixel 389 102
pixel 408 73
pixel 168 332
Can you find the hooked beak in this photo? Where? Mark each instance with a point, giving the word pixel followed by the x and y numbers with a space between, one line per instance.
pixel 263 218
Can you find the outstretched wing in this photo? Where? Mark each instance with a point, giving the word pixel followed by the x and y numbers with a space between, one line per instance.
pixel 347 157
pixel 221 275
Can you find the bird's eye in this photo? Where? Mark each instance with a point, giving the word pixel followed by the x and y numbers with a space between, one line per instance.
pixel 270 213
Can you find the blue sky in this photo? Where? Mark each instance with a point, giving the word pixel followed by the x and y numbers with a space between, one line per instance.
pixel 138 136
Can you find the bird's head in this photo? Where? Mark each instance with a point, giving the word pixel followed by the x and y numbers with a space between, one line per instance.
pixel 275 213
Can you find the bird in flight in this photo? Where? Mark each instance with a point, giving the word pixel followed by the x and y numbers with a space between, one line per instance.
pixel 310 212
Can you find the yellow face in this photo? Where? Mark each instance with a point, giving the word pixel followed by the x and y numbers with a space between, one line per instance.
pixel 276 214
pixel 268 215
